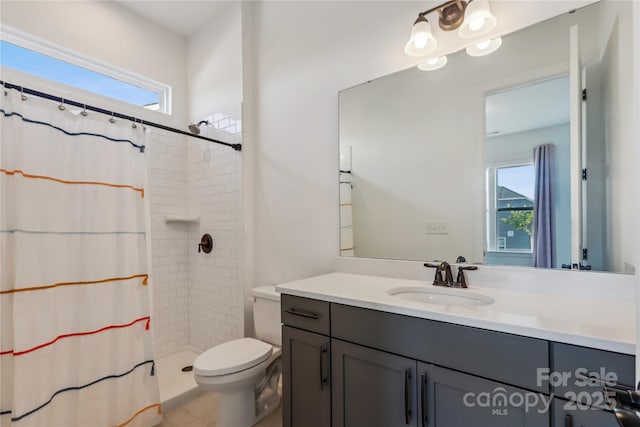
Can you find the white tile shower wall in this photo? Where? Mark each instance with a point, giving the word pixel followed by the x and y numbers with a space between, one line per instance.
pixel 216 290
pixel 167 172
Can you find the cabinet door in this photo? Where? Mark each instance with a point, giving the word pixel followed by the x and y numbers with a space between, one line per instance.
pixel 453 399
pixel 305 379
pixel 568 414
pixel 372 388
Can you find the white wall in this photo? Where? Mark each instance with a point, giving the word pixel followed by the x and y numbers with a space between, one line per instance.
pixel 214 65
pixel 621 149
pixel 216 280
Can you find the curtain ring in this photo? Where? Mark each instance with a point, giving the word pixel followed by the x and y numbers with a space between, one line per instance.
pixel 112 119
pixel 61 106
pixel 134 125
pixel 22 95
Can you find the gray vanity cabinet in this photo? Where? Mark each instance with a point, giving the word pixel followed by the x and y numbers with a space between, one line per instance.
pixel 372 388
pixel 452 399
pixel 566 414
pixel 347 366
pixel 306 350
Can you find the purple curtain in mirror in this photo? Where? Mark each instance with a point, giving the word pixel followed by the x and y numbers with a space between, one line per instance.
pixel 544 238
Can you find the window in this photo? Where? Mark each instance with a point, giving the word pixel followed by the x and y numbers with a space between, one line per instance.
pixel 127 87
pixel 513 217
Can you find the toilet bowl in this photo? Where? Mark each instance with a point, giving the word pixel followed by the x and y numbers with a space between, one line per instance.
pixel 246 371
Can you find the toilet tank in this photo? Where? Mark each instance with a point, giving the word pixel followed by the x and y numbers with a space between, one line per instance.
pixel 266 314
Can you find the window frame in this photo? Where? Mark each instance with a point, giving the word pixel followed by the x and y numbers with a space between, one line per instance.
pixel 492 204
pixel 44 47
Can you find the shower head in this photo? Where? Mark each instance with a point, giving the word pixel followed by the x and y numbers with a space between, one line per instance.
pixel 195 128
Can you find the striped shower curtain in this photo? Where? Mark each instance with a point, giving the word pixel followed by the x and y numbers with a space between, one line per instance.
pixel 75 339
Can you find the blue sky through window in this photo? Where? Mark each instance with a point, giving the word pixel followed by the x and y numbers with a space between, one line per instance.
pixel 517 178
pixel 31 62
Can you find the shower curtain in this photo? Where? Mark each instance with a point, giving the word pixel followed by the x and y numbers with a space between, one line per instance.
pixel 75 339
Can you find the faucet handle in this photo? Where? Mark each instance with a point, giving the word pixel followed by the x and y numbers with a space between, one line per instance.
pixel 461 280
pixel 438 278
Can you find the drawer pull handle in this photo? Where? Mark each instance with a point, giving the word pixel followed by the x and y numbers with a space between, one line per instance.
pixel 307 314
pixel 323 379
pixel 407 396
pixel 568 420
pixel 425 402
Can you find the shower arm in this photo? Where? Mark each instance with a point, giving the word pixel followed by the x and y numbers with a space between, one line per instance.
pixel 57 99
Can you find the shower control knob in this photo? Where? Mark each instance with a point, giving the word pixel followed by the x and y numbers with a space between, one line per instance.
pixel 206 244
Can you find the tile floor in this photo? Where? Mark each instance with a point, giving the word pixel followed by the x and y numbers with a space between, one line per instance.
pixel 200 412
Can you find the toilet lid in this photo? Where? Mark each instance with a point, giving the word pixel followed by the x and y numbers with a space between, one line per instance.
pixel 232 356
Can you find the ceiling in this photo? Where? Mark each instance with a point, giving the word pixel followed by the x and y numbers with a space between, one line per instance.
pixel 181 17
pixel 529 107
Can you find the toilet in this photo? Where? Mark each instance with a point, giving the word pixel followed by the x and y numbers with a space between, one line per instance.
pixel 245 372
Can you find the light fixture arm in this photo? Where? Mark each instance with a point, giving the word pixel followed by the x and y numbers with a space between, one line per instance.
pixel 451 14
pixel 442 6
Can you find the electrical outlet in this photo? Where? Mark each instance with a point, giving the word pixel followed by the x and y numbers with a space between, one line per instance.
pixel 437 228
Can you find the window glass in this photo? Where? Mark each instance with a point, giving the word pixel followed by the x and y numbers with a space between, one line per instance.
pixel 514 207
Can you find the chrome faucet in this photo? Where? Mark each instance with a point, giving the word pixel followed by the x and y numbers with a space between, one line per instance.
pixel 447 281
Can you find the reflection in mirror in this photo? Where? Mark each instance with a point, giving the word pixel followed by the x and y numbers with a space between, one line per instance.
pixel 427 175
pixel 518 121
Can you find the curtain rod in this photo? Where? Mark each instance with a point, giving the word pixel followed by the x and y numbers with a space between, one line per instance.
pixel 27 91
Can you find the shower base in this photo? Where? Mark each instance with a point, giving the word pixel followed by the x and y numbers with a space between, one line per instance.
pixel 177 387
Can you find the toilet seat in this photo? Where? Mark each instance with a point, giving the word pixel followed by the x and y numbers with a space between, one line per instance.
pixel 232 356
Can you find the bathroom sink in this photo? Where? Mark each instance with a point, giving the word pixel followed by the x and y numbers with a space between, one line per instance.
pixel 443 296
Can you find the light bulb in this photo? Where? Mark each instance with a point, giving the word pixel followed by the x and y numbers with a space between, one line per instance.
pixel 433 64
pixel 478 20
pixel 476 24
pixel 483 45
pixel 420 41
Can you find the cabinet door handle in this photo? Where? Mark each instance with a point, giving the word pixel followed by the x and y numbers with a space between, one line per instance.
pixel 323 380
pixel 307 314
pixel 423 398
pixel 568 420
pixel 407 396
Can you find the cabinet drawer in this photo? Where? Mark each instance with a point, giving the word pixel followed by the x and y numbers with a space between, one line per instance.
pixel 304 313
pixel 579 372
pixel 510 359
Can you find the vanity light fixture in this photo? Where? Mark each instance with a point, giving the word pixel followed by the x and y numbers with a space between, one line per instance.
pixel 484 47
pixel 473 18
pixel 433 63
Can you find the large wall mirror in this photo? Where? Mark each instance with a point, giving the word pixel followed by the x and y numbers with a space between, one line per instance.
pixel 484 158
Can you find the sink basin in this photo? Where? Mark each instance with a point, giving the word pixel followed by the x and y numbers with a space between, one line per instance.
pixel 441 296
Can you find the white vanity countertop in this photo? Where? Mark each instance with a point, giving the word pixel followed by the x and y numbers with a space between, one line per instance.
pixel 589 322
